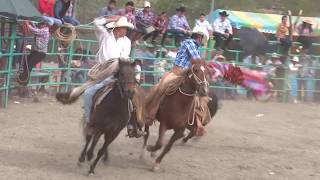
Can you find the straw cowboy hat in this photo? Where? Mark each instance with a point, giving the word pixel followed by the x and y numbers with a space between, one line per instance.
pixel 122 22
pixel 147 4
pixel 308 21
pixel 201 31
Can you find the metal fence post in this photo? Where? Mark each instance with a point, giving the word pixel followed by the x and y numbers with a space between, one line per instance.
pixel 70 55
pixel 9 64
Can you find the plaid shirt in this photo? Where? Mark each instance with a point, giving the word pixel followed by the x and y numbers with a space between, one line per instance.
pixel 145 20
pixel 179 23
pixel 41 38
pixel 189 50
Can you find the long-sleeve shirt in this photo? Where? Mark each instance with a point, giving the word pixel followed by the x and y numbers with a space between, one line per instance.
pixel 110 47
pixel 221 26
pixel 179 23
pixel 189 50
pixel 41 38
pixel 145 20
pixel 107 12
pixel 45 7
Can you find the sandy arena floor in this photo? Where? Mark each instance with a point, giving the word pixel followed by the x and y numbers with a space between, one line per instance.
pixel 245 141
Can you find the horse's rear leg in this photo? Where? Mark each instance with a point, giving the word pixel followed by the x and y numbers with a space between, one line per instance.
pixel 82 157
pixel 96 138
pixel 177 135
pixel 159 143
pixel 108 138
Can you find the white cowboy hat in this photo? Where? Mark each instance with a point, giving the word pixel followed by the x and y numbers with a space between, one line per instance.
pixel 147 4
pixel 308 21
pixel 122 22
pixel 203 32
pixel 295 59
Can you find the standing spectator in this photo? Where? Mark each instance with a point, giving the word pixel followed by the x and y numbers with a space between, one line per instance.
pixel 305 33
pixel 128 12
pixel 305 77
pixel 293 72
pixel 38 52
pixel 110 9
pixel 63 10
pixel 145 20
pixel 178 26
pixel 45 7
pixel 160 26
pixel 222 31
pixel 282 35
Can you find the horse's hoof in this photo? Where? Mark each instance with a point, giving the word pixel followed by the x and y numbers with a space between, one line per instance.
pixel 156 167
pixel 153 154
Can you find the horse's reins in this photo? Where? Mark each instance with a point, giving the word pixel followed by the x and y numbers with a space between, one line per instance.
pixel 197 79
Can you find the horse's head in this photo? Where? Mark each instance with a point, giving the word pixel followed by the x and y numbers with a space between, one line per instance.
pixel 126 78
pixel 198 74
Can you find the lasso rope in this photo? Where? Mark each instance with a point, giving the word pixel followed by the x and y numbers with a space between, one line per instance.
pixel 65 34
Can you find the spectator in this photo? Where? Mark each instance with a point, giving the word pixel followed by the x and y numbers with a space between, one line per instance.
pixel 39 50
pixel 222 31
pixel 293 72
pixel 63 10
pixel 128 12
pixel 160 26
pixel 203 23
pixel 305 76
pixel 178 26
pixel 282 35
pixel 45 7
pixel 145 20
pixel 110 9
pixel 305 33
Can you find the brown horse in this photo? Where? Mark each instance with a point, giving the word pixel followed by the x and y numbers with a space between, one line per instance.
pixel 173 112
pixel 110 116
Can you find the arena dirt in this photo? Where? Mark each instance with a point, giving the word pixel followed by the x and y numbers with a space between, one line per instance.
pixel 245 141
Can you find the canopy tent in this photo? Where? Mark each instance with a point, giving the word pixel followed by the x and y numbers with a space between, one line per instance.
pixel 18 9
pixel 266 23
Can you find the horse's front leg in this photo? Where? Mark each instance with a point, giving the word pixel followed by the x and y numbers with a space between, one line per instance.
pixel 177 135
pixel 159 143
pixel 96 137
pixel 145 140
pixel 189 136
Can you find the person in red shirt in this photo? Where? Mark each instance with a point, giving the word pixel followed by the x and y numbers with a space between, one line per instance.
pixel 45 7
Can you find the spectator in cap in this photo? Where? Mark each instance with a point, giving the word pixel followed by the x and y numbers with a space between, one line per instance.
pixel 178 26
pixel 110 9
pixel 145 20
pixel 222 31
pixel 305 32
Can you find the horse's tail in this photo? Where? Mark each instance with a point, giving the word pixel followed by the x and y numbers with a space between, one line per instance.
pixel 71 96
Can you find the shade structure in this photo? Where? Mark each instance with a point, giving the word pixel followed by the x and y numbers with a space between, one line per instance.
pixel 266 23
pixel 18 9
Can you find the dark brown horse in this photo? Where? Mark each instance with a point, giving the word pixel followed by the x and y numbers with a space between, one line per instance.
pixel 111 115
pixel 173 112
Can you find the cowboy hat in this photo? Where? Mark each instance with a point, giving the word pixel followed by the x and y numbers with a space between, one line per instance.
pixel 308 21
pixel 147 4
pixel 181 9
pixel 274 55
pixel 201 31
pixel 122 22
pixel 223 13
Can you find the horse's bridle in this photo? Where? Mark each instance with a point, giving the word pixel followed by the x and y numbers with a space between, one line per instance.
pixel 197 79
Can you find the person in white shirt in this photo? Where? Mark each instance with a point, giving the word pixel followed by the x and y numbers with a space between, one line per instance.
pixel 222 31
pixel 203 23
pixel 111 33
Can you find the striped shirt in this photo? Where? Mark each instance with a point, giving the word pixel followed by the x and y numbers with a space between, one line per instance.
pixel 177 22
pixel 189 50
pixel 41 38
pixel 145 20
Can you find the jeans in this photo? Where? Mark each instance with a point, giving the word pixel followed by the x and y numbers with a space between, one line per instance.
pixel 71 20
pixel 90 92
pixel 52 21
pixel 221 40
pixel 286 44
pixel 178 35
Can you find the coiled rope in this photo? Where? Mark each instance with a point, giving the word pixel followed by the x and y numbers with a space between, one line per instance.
pixel 65 34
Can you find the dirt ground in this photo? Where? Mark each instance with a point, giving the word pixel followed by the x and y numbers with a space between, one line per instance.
pixel 246 140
